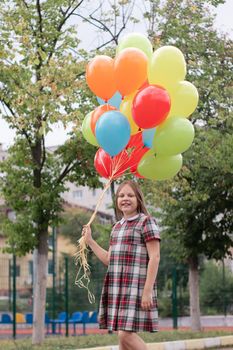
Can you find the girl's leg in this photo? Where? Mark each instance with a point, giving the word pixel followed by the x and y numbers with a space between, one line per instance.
pixel 130 341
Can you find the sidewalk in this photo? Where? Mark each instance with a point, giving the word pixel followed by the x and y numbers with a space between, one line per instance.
pixel 191 344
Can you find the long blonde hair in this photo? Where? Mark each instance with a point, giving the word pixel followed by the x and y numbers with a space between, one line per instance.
pixel 141 207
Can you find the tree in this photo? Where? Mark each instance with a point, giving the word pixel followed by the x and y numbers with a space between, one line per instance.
pixel 196 207
pixel 41 83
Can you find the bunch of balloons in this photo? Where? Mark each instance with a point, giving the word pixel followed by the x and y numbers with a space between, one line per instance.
pixel 141 123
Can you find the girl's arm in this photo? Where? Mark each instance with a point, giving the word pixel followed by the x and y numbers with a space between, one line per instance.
pixel 153 248
pixel 102 254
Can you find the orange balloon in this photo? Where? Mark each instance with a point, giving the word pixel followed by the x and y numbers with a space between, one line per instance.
pixel 96 114
pixel 130 69
pixel 100 76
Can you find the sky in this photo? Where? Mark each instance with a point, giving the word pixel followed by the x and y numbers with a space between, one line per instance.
pixel 59 135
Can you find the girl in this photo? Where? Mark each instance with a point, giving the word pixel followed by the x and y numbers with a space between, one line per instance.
pixel 129 298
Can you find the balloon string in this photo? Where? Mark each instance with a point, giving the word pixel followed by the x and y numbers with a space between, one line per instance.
pixel 119 163
pixel 83 281
pixel 131 165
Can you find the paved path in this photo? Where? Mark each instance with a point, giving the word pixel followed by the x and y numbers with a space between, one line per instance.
pixel 191 344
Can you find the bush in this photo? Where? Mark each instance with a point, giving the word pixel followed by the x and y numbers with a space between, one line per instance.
pixel 216 285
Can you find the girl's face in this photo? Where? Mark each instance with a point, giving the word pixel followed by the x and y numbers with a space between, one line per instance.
pixel 127 201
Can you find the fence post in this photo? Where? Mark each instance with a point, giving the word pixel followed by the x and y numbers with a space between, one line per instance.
pixel 54 277
pixel 9 285
pixel 67 295
pixel 174 297
pixel 14 296
pixel 224 286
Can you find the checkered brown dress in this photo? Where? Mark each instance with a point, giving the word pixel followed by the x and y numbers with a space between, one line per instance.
pixel 120 305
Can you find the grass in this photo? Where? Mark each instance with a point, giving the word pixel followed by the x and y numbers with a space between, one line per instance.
pixel 78 342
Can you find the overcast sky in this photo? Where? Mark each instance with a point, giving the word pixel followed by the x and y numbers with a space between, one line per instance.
pixel 224 23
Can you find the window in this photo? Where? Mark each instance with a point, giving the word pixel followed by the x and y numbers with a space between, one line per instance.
pixel 77 194
pixel 94 192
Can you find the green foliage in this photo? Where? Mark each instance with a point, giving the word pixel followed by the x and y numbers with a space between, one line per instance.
pixel 189 26
pixel 216 285
pixel 197 204
pixel 73 221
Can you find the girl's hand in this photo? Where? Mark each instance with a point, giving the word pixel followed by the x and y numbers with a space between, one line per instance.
pixel 86 233
pixel 147 302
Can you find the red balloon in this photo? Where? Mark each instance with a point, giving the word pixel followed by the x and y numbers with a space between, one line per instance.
pixel 96 114
pixel 111 167
pixel 135 141
pixel 103 163
pixel 135 158
pixel 151 106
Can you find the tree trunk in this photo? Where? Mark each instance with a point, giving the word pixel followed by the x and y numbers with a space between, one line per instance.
pixel 39 289
pixel 113 197
pixel 194 294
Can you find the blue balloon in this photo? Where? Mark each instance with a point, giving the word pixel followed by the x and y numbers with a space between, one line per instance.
pixel 112 132
pixel 114 101
pixel 148 136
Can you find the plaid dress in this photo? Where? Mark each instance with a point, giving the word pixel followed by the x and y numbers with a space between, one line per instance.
pixel 120 304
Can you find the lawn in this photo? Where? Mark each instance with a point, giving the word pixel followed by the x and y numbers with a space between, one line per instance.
pixel 78 342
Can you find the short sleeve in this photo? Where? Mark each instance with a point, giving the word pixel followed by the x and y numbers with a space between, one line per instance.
pixel 115 228
pixel 150 230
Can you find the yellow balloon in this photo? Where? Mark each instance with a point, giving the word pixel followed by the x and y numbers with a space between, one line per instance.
pixel 126 109
pixel 159 167
pixel 166 67
pixel 174 136
pixel 137 40
pixel 184 99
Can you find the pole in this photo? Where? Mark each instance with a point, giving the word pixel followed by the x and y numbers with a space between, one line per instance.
pixel 174 297
pixel 14 296
pixel 224 288
pixel 9 285
pixel 54 238
pixel 67 295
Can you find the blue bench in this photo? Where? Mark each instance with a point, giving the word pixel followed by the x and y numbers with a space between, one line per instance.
pixel 6 319
pixel 77 317
pixel 29 320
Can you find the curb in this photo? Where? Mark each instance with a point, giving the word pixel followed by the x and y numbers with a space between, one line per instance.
pixel 191 344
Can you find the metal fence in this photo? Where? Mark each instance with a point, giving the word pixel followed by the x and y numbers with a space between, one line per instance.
pixel 16 292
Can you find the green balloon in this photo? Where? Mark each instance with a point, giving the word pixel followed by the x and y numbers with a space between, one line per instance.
pixel 87 132
pixel 172 137
pixel 159 168
pixel 137 40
